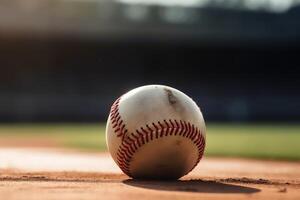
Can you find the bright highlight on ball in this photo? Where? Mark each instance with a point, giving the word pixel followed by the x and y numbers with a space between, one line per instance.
pixel 155 132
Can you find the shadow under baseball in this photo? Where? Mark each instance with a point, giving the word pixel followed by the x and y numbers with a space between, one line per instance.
pixel 200 186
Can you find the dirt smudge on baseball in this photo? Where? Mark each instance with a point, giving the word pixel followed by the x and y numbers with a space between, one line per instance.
pixel 178 142
pixel 172 99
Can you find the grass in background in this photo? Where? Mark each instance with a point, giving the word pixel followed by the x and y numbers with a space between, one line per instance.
pixel 80 136
pixel 232 140
pixel 255 141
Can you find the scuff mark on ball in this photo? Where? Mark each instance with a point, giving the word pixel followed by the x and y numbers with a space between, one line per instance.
pixel 172 99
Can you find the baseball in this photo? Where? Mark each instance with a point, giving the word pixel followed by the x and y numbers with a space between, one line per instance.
pixel 155 132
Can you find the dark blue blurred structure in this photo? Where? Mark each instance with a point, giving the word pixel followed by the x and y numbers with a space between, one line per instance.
pixel 69 60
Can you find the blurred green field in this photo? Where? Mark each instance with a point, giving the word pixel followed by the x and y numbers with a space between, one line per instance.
pixel 265 141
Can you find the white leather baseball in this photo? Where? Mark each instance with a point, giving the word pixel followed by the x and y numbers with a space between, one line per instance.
pixel 155 132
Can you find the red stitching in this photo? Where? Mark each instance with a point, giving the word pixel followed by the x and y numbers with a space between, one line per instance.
pixel 116 121
pixel 128 147
pixel 131 143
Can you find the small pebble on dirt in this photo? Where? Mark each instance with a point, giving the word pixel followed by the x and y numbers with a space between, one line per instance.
pixel 283 190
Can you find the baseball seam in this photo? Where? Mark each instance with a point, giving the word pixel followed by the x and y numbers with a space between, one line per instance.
pixel 116 121
pixel 132 142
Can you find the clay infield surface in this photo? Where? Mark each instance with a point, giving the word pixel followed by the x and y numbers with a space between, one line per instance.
pixel 59 174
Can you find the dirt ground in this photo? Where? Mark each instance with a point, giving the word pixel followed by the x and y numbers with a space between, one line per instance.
pixel 59 174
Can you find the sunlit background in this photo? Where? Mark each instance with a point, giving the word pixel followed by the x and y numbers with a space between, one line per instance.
pixel 64 62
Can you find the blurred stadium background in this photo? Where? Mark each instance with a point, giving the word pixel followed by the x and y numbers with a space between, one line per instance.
pixel 68 60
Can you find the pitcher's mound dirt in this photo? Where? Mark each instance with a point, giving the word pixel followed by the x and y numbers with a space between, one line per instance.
pixel 51 174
